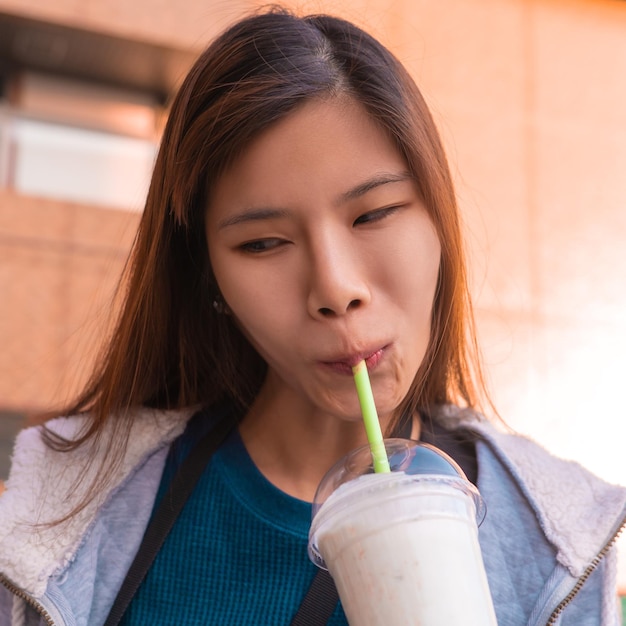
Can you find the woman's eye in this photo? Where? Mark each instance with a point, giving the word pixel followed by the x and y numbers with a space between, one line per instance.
pixel 261 245
pixel 375 216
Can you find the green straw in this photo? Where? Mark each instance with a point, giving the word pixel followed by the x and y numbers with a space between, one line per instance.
pixel 370 418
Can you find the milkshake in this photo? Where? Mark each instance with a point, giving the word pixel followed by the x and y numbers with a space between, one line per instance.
pixel 402 547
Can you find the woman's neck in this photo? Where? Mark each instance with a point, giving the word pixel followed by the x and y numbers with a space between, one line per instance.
pixel 293 445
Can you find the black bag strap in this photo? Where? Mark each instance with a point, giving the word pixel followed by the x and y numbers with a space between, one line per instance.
pixel 319 603
pixel 163 520
pixel 320 600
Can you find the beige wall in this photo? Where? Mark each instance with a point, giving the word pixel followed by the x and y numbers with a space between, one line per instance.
pixel 59 265
pixel 530 96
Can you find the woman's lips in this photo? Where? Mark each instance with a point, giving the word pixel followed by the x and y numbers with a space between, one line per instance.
pixel 344 364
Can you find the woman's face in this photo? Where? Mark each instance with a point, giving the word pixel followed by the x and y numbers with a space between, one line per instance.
pixel 325 255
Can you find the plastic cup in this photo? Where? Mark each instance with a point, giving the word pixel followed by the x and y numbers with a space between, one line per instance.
pixel 402 547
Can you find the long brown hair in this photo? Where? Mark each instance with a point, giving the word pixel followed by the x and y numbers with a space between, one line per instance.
pixel 171 348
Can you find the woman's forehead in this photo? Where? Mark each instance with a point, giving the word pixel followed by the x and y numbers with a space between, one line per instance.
pixel 332 145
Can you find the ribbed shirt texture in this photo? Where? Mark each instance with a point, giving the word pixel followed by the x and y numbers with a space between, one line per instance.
pixel 236 555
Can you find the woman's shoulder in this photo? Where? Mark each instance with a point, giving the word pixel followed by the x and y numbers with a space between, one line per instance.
pixel 538 471
pixel 39 470
pixel 46 485
pixel 578 511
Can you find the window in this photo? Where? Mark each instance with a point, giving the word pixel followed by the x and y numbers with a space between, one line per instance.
pixel 81 111
pixel 76 141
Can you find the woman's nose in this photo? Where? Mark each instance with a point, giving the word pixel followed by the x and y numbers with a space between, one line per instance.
pixel 338 282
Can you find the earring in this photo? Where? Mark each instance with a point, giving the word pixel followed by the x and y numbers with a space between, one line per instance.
pixel 219 305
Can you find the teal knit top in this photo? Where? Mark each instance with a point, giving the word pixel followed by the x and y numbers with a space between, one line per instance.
pixel 236 555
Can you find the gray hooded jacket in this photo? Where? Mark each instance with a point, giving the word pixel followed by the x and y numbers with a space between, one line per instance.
pixel 547 539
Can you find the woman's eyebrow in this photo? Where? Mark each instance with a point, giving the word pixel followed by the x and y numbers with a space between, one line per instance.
pixel 376 181
pixel 252 215
pixel 260 214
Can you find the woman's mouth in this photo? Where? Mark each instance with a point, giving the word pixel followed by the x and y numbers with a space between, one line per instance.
pixel 344 364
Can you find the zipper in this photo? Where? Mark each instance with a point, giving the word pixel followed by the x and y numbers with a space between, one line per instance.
pixel 585 575
pixel 28 599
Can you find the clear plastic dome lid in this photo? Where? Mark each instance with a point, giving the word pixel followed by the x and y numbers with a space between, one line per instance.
pixel 411 458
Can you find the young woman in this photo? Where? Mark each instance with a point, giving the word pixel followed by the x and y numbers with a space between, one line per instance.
pixel 301 218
